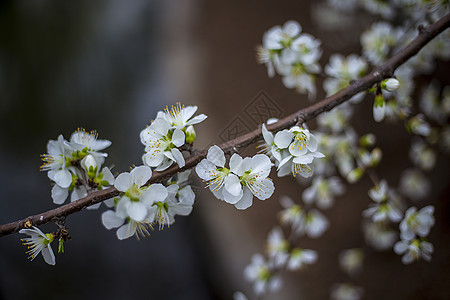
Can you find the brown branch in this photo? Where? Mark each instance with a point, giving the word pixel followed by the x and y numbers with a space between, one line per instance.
pixel 386 70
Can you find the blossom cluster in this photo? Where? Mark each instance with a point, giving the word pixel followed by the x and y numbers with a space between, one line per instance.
pixel 293 150
pixel 75 166
pixel 245 177
pixel 168 132
pixel 141 206
pixel 414 228
pixel 280 254
pixel 292 54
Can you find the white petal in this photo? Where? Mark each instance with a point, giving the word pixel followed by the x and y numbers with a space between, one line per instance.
pixel 196 119
pixel 122 207
pixel 152 160
pixel 123 182
pixel 178 137
pixel 229 198
pixel 137 211
pixel 108 176
pixel 246 200
pixel 205 170
pixel 186 195
pixel 304 159
pixel 48 255
pixel 283 139
pixel 154 193
pixel 140 175
pixel 261 165
pixel 265 189
pixel 78 193
pixel 216 156
pixel 400 247
pixel 63 178
pixel 59 194
pixel 233 185
pixel 267 135
pixel 235 164
pixel 165 163
pixel 178 157
pixel 111 220
pixel 125 231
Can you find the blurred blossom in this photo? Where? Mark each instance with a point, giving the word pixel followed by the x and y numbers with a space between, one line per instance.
pixel 422 155
pixel 300 257
pixel 413 250
pixel 351 261
pixel 414 184
pixel 322 191
pixel 259 272
pixel 379 235
pixel 346 291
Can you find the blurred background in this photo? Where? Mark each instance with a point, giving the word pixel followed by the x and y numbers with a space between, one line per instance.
pixel 110 66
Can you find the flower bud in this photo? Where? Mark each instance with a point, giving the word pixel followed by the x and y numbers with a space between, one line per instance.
pixel 390 84
pixel 190 134
pixel 418 125
pixel 376 156
pixel 379 108
pixel 91 166
pixel 368 140
pixel 355 175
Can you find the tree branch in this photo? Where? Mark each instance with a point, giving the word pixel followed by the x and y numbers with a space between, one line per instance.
pixel 426 34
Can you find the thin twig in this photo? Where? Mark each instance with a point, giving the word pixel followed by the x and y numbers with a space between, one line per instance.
pixel 384 71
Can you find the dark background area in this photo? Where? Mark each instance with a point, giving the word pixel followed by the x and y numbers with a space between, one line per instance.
pixel 110 66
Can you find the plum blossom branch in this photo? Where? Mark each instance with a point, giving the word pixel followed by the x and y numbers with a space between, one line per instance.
pixel 386 70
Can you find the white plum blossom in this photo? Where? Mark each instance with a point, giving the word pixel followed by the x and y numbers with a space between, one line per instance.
pixel 88 143
pixel 314 224
pixel 137 196
pixel 383 8
pixel 413 250
pixel 58 162
pixel 341 70
pixel 246 177
pixel 277 247
pixel 39 242
pixel 111 219
pixel 293 55
pixel 300 257
pixel 252 178
pixel 279 37
pixel 292 214
pixel 378 41
pixel 417 222
pixel 382 209
pixel 161 144
pixel 259 272
pixel 219 179
pixel 322 191
pixel 180 116
pixel 302 149
pixel 165 209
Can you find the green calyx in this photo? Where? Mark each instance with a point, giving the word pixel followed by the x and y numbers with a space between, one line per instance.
pixel 264 274
pixel 61 246
pixel 379 101
pixel 50 238
pixel 162 205
pixel 134 193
